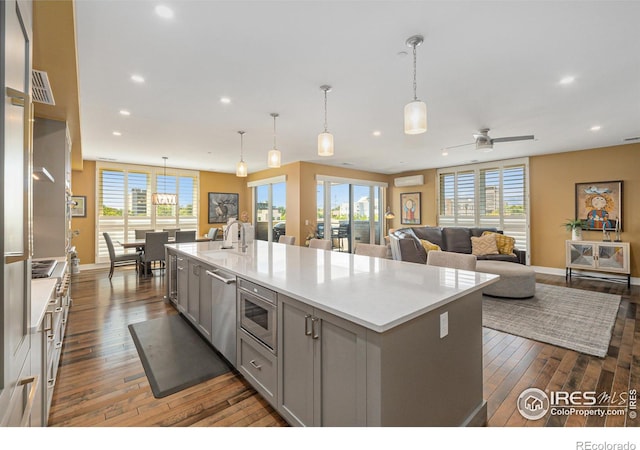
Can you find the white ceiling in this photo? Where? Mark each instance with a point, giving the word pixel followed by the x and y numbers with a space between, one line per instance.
pixel 483 64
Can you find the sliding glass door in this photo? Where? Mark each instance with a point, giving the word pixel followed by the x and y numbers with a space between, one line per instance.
pixel 270 210
pixel 349 211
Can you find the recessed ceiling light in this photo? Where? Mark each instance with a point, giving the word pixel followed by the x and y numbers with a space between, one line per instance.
pixel 225 100
pixel 444 152
pixel 595 127
pixel 568 80
pixel 137 78
pixel 117 133
pixel 376 133
pixel 124 112
pixel 164 11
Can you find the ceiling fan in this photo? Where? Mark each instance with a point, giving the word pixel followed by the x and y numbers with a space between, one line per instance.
pixel 485 143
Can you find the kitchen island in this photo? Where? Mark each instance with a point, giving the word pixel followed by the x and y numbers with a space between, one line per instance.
pixel 357 341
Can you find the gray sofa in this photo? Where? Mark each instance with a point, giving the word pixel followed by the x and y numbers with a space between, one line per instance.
pixel 406 245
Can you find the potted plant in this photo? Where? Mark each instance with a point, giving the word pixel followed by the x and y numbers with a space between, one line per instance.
pixel 575 226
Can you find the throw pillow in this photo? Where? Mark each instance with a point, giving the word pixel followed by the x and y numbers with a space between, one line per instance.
pixel 484 245
pixel 505 243
pixel 429 246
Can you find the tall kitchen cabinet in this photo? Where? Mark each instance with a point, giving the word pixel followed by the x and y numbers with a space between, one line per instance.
pixel 51 212
pixel 18 387
pixel 322 367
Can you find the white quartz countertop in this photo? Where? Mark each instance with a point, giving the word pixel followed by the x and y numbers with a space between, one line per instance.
pixel 376 293
pixel 41 290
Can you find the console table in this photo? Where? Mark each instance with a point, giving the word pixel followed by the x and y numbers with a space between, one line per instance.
pixel 600 256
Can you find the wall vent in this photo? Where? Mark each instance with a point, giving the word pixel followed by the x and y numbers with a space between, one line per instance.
pixel 41 88
pixel 415 180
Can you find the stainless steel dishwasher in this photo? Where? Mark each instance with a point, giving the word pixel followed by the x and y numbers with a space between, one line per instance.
pixel 223 326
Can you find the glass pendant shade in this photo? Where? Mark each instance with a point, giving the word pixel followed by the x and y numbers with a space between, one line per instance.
pixel 241 169
pixel 163 199
pixel 415 117
pixel 274 158
pixel 325 144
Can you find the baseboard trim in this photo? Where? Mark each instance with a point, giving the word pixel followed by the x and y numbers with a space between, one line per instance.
pixel 635 281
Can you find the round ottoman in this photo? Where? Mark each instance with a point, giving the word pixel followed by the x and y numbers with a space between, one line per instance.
pixel 516 280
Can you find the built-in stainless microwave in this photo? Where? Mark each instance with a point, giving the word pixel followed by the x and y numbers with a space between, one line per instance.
pixel 258 318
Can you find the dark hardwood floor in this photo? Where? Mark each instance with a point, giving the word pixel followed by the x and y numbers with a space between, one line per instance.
pixel 101 381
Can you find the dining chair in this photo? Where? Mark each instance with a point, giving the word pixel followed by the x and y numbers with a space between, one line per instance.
pixel 323 244
pixel 289 240
pixel 213 233
pixel 154 249
pixel 119 259
pixel 186 236
pixel 378 251
pixel 453 260
pixel 171 231
pixel 140 234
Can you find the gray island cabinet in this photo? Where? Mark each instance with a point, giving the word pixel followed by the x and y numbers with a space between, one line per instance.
pixel 349 340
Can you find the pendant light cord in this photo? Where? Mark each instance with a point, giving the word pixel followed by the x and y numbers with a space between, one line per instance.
pixel 415 97
pixel 325 110
pixel 241 144
pixel 274 131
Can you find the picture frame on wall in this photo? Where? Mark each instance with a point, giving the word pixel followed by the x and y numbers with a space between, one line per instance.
pixel 599 204
pixel 79 206
pixel 222 206
pixel 410 204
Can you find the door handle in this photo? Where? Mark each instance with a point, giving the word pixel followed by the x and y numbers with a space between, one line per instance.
pixel 22 100
pixel 315 329
pixel 256 366
pixel 218 277
pixel 31 399
pixel 307 331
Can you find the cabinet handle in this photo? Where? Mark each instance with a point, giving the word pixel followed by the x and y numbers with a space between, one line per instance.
pixel 58 309
pixel 307 331
pixel 180 259
pixel 48 314
pixel 256 366
pixel 180 268
pixel 58 345
pixel 316 331
pixel 32 396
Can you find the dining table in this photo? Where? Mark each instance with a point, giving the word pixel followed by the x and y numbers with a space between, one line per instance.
pixel 140 244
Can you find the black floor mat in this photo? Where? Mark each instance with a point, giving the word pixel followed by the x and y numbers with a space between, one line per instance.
pixel 174 355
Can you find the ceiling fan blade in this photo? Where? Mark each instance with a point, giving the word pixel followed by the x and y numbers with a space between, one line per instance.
pixel 513 138
pixel 461 145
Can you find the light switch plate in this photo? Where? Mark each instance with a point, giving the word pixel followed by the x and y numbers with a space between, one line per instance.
pixel 444 324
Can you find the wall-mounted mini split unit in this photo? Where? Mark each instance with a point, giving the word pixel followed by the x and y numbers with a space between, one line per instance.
pixel 414 180
pixel 41 88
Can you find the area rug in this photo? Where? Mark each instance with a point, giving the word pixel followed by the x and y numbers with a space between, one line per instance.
pixel 570 318
pixel 174 355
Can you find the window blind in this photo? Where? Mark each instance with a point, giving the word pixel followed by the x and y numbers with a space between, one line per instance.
pixel 492 194
pixel 124 202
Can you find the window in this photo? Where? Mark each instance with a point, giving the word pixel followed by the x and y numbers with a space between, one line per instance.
pixel 124 202
pixel 488 195
pixel 270 208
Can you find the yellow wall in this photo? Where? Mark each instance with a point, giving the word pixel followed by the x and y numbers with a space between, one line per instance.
pixel 553 179
pixel 428 199
pixel 84 183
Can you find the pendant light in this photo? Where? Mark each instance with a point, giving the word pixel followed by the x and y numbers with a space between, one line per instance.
pixel 325 139
pixel 415 112
pixel 164 198
pixel 241 167
pixel 274 157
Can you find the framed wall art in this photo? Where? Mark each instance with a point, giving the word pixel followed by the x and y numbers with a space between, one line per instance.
pixel 79 206
pixel 410 208
pixel 222 207
pixel 599 204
